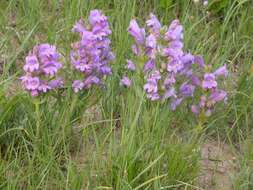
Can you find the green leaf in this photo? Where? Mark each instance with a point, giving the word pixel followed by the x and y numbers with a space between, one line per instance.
pixel 218 5
pixel 165 3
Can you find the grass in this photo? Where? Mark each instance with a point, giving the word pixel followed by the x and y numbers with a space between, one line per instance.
pixel 129 143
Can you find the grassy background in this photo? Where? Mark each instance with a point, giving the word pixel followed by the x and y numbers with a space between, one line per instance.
pixel 121 142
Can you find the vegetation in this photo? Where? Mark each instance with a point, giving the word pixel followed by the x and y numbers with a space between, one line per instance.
pixel 115 138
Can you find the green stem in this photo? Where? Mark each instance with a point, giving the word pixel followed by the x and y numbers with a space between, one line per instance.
pixel 37 133
pixel 66 131
pixel 37 111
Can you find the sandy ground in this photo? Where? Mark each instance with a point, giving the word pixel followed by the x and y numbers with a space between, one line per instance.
pixel 218 165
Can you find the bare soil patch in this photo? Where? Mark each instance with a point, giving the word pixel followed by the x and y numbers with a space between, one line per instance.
pixel 218 166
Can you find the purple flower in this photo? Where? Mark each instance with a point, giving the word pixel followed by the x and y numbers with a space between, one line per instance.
pixel 130 65
pixel 135 49
pixel 96 17
pixel 217 96
pixel 79 27
pixel 175 31
pixel 99 23
pixel 222 71
pixel 195 109
pixel 186 71
pixel 32 64
pixel 149 65
pixel 34 93
pixel 44 87
pixel 202 102
pixel 31 83
pixel 173 53
pixel 154 24
pixel 174 66
pixel 151 41
pixel 199 60
pixel 171 92
pixel 151 86
pixel 87 39
pixel 176 44
pixel 90 80
pixel 125 81
pixel 47 53
pixel 169 80
pixel 195 80
pixel 187 90
pixel 137 32
pixel 77 85
pixel 153 96
pixel 156 75
pixel 175 102
pixel 151 46
pixel 50 69
pixel 187 59
pixel 209 81
pixel 56 83
pixel 105 70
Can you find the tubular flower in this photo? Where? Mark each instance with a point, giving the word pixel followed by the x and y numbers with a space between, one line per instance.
pixel 209 81
pixel 211 94
pixel 154 24
pixel 125 81
pixel 137 32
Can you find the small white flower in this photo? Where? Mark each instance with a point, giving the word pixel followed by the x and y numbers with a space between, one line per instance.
pixel 205 3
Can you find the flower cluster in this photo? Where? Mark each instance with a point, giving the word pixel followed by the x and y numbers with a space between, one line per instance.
pixel 41 67
pixel 211 94
pixel 170 73
pixel 92 53
pixel 90 56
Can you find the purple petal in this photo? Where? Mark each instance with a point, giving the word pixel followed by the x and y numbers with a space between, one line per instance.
pixel 171 92
pixel 77 85
pixel 176 102
pixel 222 71
pixel 136 32
pixel 32 63
pixel 154 24
pixel 130 65
pixel 217 96
pixel 56 83
pixel 195 109
pixel 150 65
pixel 125 81
pixel 200 61
pixel 153 96
pixel 209 81
pixel 187 90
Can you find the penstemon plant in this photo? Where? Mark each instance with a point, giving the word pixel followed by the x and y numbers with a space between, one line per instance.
pixel 90 56
pixel 165 72
pixel 62 100
pixel 168 73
